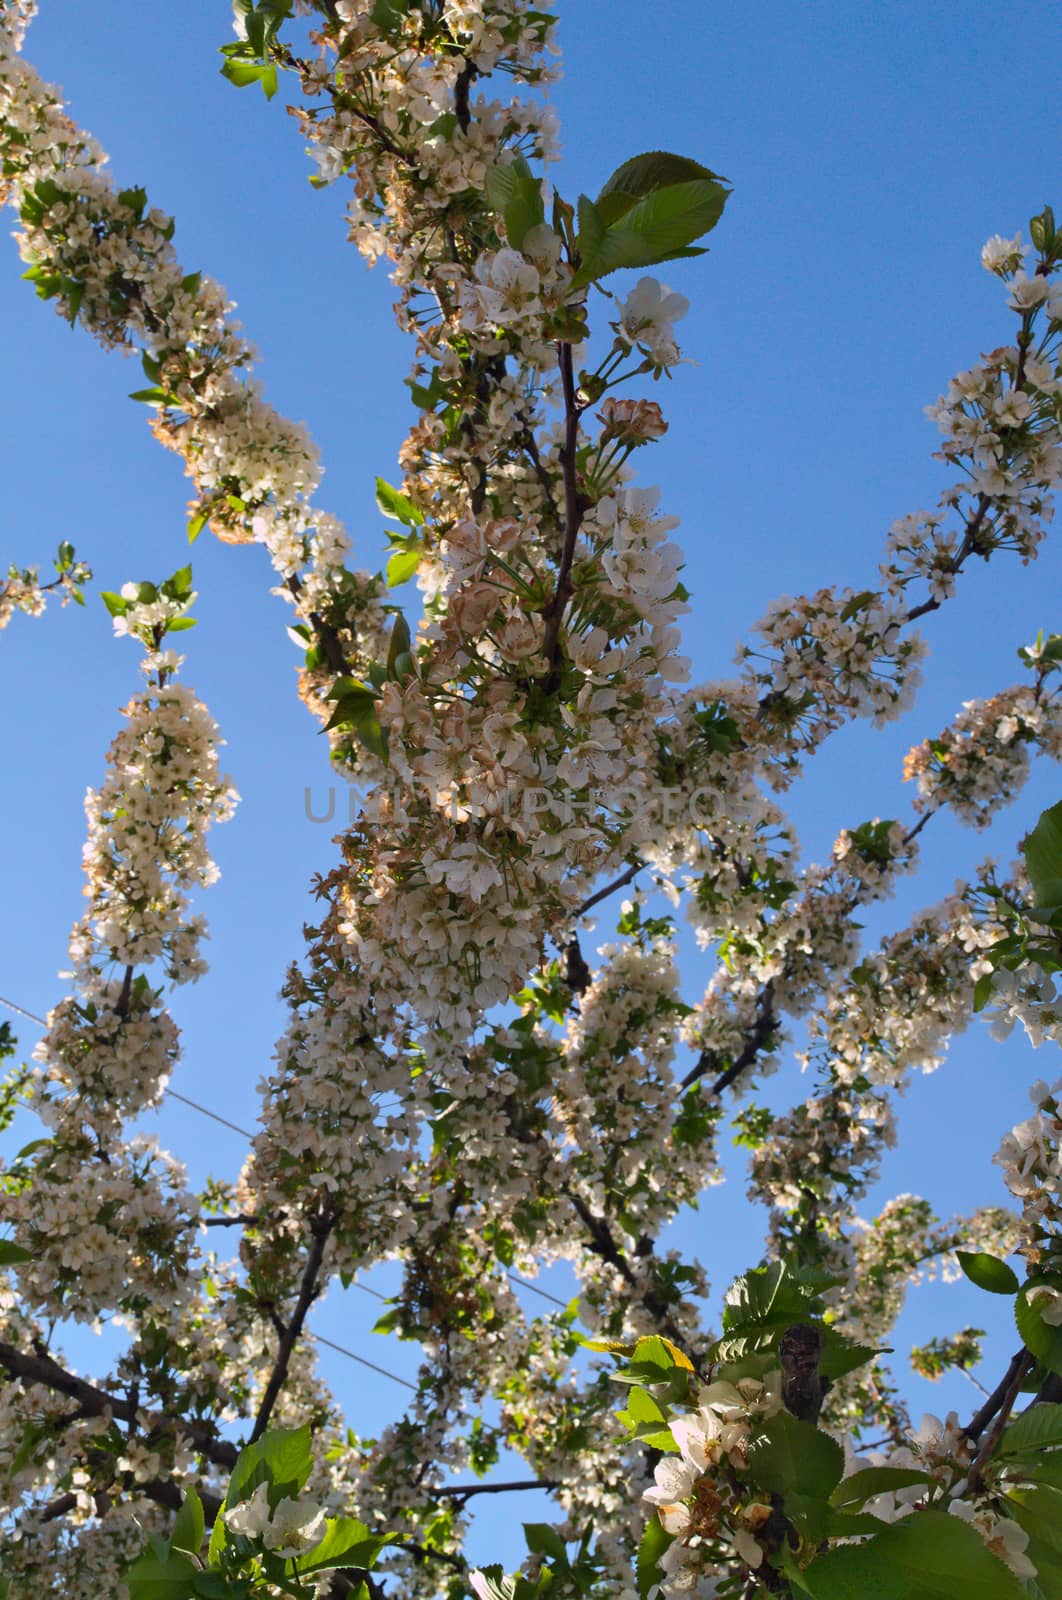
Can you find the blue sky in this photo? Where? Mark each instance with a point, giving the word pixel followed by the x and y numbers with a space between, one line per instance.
pixel 872 150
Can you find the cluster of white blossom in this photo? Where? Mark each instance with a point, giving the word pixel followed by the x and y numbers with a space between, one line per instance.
pixel 22 589
pixel 532 735
pixel 979 763
pixel 1031 1159
pixel 713 1518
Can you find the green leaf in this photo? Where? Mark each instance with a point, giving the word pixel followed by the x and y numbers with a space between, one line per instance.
pixel 1043 856
pixel 152 1577
pixel 189 1525
pixel 1039 1511
pixel 196 525
pixel 983 990
pixel 179 585
pixel 872 1481
pixel 789 1454
pixel 389 15
pixel 135 199
pixel 657 169
pixel 244 73
pixel 1041 1338
pixel 397 506
pixel 357 706
pixel 1038 1428
pixel 988 1272
pixel 542 1540
pixel 839 1356
pixel 281 1457
pixel 180 624
pixel 926 1556
pixel 13 1255
pixel 215 1586
pixel 347 1543
pixel 398 645
pixel 654 1542
pixel 402 566
pixel 515 192
pixel 655 228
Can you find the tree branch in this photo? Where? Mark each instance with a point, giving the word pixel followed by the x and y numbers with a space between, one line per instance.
pixel 309 1289
pixel 41 1369
pixel 464 1491
pixel 1020 1367
pixel 610 888
pixel 979 1422
pixel 573 513
pixel 764 1025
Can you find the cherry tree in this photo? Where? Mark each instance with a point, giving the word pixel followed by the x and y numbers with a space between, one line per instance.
pixel 464 1085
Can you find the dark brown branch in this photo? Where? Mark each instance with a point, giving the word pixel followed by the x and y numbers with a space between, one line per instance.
pixel 610 888
pixel 577 974
pixel 573 511
pixel 41 1369
pixel 464 1491
pixel 763 1026
pixel 604 1245
pixel 309 1289
pixel 122 1006
pixel 979 1422
pixel 799 1353
pixel 465 79
pixel 527 439
pixel 970 545
pixel 1019 1370
pixel 327 636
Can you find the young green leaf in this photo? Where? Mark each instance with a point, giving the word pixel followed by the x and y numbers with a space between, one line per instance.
pixel 513 190
pixel 402 566
pixel 654 1542
pixel 656 228
pixel 1042 1339
pixel 656 169
pixel 397 506
pixel 189 1525
pixel 928 1555
pixel 863 1486
pixel 347 1543
pixel 1043 857
pixel 155 1577
pixel 988 1271
pixel 1038 1428
pixel 790 1454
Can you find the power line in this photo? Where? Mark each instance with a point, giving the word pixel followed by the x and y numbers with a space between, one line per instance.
pixel 245 1133
pixel 343 1351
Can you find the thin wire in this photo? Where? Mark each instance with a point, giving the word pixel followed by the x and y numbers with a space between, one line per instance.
pixel 246 1134
pixel 204 1111
pixel 343 1351
pixel 22 1011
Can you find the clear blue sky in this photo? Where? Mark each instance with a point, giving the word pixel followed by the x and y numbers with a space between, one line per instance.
pixel 872 149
